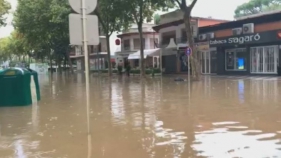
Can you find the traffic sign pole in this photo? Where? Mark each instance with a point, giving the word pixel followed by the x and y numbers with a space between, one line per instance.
pixel 84 7
pixel 189 68
pixel 86 54
pixel 188 53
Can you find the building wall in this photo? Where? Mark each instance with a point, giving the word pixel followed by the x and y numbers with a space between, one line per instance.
pixel 147 37
pixel 171 63
pixel 271 41
pixel 103 45
pixel 208 22
pixel 175 29
pixel 258 28
pixel 178 29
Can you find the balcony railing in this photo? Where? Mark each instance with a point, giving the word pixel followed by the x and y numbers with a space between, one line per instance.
pixel 165 42
pixel 127 48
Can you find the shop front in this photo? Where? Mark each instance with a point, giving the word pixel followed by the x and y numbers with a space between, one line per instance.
pixel 208 58
pixel 248 54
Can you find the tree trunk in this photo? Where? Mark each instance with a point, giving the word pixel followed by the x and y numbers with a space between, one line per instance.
pixel 59 65
pixel 142 67
pixel 70 63
pixel 51 62
pixel 108 56
pixel 195 64
pixel 65 62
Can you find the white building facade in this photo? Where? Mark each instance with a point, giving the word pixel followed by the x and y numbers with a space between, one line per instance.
pixel 130 44
pixel 173 40
pixel 97 56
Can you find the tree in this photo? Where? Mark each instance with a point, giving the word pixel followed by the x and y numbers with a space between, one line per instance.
pixel 14 47
pixel 141 10
pixel 112 17
pixel 4 54
pixel 257 6
pixel 186 9
pixel 156 19
pixel 45 26
pixel 4 9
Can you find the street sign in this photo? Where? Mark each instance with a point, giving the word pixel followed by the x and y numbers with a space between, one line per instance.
pixel 188 51
pixel 76 30
pixel 76 5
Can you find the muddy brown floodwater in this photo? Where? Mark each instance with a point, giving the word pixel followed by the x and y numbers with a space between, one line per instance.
pixel 150 118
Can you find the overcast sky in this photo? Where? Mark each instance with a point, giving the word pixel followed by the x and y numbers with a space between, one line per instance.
pixel 220 9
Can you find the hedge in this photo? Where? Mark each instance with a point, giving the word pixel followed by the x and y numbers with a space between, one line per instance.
pixel 134 71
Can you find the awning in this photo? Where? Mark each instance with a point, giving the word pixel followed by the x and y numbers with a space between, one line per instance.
pixel 136 56
pixel 146 52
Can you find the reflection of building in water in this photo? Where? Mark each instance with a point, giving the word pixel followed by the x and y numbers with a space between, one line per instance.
pixel 241 89
pixel 265 90
pixel 207 85
pixel 117 105
pixel 254 88
pixel 235 89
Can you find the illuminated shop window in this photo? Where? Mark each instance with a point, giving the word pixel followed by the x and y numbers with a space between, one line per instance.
pixel 235 59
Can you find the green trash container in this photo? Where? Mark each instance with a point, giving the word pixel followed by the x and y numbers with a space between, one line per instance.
pixel 36 82
pixel 15 87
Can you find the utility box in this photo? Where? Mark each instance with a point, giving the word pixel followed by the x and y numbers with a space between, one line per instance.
pixel 15 87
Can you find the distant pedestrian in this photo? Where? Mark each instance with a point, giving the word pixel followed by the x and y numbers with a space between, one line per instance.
pixel 128 69
pixel 120 68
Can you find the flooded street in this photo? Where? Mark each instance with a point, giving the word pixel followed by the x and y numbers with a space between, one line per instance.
pixel 151 118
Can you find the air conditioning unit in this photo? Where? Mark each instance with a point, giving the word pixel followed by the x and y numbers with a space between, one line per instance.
pixel 211 35
pixel 237 31
pixel 248 28
pixel 202 37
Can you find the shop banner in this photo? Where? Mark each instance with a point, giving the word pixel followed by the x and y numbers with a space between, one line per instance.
pixel 244 39
pixel 202 46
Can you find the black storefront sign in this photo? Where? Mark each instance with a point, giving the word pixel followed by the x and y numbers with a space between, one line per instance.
pixel 255 38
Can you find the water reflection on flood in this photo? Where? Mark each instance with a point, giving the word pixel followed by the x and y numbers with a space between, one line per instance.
pixel 149 118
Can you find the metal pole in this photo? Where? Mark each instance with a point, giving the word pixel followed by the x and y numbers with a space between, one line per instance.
pixel 188 57
pixel 189 75
pixel 189 95
pixel 161 62
pixel 85 44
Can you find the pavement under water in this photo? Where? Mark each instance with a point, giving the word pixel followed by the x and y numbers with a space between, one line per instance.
pixel 157 117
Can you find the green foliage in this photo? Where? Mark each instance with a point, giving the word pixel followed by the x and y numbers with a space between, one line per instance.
pixel 112 16
pixel 44 24
pixel 133 71
pixel 156 19
pixel 104 71
pixel 4 44
pixel 257 6
pixel 4 9
pixel 141 10
pixel 14 45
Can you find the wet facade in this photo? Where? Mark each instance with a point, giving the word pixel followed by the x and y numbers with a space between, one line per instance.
pixel 98 59
pixel 130 46
pixel 244 47
pixel 172 27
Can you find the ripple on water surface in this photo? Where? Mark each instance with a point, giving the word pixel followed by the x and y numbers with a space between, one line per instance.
pixel 146 118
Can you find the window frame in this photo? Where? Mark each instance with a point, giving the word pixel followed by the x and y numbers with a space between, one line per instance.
pixel 139 41
pixel 234 50
pixel 129 45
